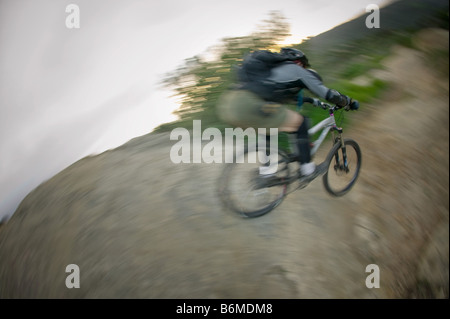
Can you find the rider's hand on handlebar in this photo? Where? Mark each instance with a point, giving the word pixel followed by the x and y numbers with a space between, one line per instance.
pixel 353 105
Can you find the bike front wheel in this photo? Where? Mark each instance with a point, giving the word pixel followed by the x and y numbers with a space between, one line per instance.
pixel 246 191
pixel 344 164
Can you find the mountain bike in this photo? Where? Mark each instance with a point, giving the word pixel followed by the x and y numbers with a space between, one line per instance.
pixel 244 190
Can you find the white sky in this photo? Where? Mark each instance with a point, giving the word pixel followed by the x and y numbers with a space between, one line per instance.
pixel 67 93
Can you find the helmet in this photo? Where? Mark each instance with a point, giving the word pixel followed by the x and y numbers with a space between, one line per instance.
pixel 295 55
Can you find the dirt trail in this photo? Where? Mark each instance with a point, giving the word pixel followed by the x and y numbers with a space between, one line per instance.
pixel 139 226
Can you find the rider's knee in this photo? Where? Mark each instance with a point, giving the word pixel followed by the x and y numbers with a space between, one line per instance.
pixel 292 122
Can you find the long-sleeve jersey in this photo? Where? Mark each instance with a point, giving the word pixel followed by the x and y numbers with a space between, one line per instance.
pixel 288 79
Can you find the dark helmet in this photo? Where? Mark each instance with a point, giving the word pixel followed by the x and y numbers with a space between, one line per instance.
pixel 295 55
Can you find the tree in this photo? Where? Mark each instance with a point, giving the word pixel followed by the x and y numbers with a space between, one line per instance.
pixel 200 81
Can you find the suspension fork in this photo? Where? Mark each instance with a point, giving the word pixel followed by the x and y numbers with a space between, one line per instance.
pixel 341 163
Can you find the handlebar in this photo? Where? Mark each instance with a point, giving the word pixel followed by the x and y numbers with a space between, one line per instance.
pixel 326 106
pixel 354 105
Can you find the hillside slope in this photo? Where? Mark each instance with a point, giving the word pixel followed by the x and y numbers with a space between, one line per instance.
pixel 402 15
pixel 140 226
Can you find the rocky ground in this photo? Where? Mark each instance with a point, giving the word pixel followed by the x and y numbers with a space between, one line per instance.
pixel 140 226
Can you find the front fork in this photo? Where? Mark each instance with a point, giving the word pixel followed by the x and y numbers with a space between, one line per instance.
pixel 341 162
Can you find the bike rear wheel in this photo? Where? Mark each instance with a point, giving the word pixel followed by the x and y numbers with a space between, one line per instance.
pixel 246 191
pixel 343 167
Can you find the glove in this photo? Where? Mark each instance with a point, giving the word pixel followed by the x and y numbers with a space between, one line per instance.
pixel 354 105
pixel 337 98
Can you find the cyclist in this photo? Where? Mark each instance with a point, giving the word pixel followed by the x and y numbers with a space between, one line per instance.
pixel 259 103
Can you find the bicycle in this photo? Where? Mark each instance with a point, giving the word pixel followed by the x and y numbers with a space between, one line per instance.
pixel 241 185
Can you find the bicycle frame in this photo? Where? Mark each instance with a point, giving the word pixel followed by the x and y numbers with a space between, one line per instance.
pixel 325 125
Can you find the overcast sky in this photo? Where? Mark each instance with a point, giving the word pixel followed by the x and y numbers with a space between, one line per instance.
pixel 67 93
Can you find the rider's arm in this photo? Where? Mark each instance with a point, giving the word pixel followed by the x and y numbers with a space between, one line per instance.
pixel 316 86
pixel 337 98
pixel 291 75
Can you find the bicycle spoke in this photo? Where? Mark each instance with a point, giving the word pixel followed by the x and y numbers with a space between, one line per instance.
pixel 343 169
pixel 248 192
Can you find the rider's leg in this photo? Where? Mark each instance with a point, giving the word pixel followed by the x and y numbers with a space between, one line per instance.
pixel 306 166
pixel 297 123
pixel 291 124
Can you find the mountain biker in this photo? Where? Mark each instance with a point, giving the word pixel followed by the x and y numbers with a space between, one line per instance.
pixel 261 106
